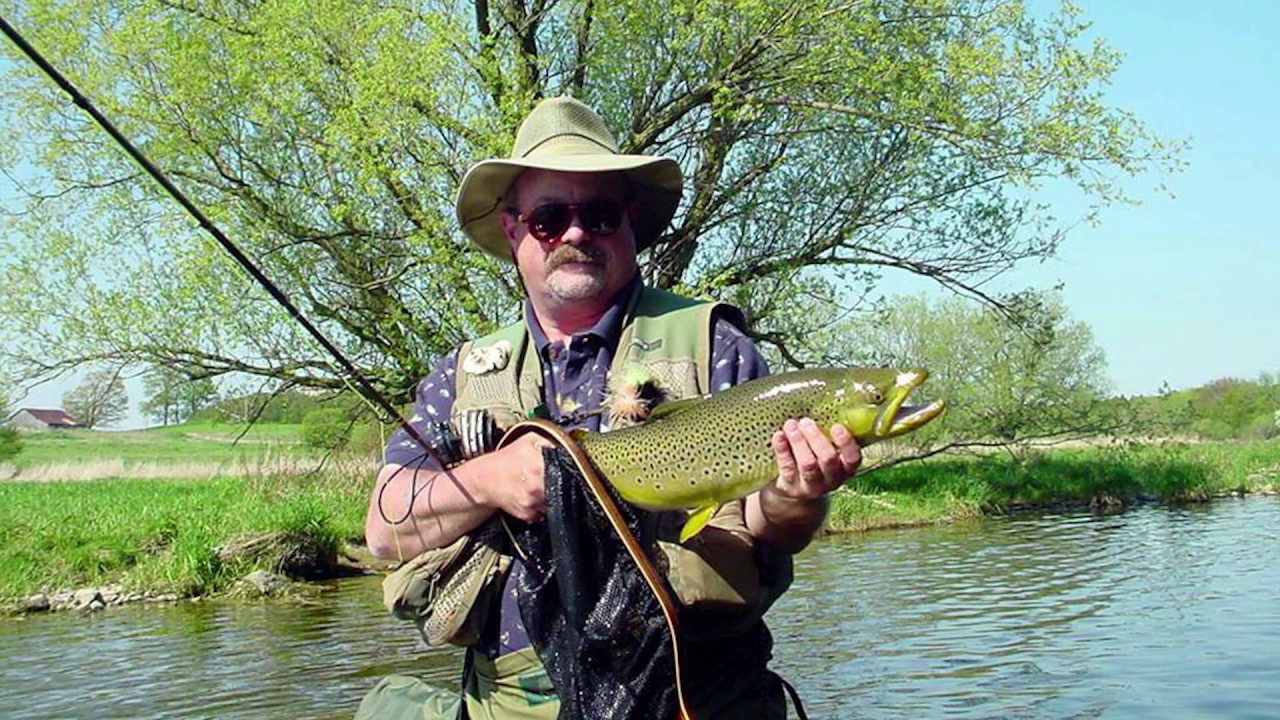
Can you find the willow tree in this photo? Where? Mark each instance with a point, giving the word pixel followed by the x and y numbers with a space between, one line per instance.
pixel 824 144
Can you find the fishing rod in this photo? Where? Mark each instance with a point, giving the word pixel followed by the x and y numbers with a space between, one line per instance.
pixel 366 387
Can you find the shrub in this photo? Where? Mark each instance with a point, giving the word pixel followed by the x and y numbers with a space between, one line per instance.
pixel 1262 427
pixel 10 443
pixel 369 437
pixel 327 429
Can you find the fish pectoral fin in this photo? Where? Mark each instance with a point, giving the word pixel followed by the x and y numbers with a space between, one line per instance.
pixel 663 409
pixel 698 519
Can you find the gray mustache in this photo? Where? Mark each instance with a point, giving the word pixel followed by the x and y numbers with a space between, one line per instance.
pixel 570 253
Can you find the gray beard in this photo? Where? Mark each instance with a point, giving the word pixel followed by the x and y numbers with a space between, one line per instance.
pixel 581 286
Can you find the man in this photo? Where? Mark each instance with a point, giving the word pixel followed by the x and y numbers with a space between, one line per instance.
pixel 571 212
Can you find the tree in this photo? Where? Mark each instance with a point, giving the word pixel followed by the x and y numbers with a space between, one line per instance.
pixel 1225 408
pixel 1039 379
pixel 174 393
pixel 824 144
pixel 327 429
pixel 100 399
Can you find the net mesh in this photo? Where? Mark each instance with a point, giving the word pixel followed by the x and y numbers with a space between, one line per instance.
pixel 589 614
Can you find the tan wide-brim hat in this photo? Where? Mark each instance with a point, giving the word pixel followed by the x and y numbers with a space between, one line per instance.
pixel 563 134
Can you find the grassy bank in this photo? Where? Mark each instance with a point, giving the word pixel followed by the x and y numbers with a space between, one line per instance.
pixel 165 535
pixel 951 488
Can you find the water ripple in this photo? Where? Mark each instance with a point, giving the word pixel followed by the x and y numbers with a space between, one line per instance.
pixel 1153 613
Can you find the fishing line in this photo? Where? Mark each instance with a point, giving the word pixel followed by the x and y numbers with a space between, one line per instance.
pixel 366 388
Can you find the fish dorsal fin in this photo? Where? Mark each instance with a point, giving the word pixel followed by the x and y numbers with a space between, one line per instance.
pixel 698 519
pixel 666 408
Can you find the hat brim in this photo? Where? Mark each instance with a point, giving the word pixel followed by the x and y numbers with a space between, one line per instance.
pixel 655 181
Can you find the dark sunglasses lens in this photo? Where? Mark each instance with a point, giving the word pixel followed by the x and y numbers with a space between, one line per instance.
pixel 601 217
pixel 549 221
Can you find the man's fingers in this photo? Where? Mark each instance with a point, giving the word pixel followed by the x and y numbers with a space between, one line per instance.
pixel 806 461
pixel 828 458
pixel 782 453
pixel 850 453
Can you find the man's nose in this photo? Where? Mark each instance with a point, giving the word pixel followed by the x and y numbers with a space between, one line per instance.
pixel 575 234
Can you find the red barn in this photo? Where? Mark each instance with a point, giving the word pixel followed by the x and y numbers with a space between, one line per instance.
pixel 37 419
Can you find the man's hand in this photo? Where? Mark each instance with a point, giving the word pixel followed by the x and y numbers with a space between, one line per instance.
pixel 810 465
pixel 513 479
pixel 787 512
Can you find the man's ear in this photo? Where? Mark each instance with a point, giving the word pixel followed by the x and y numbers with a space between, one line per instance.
pixel 508 221
pixel 510 227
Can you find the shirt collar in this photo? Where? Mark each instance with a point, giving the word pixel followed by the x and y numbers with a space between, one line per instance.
pixel 607 329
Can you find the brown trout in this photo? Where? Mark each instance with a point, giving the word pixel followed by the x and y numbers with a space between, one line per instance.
pixel 698 453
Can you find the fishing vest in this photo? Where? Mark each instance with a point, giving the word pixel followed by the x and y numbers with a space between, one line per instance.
pixel 667 335
pixel 722 579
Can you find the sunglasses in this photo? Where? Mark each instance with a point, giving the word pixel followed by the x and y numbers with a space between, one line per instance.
pixel 548 222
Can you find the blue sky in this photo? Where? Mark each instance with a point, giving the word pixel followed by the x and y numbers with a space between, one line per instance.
pixel 1180 289
pixel 1186 289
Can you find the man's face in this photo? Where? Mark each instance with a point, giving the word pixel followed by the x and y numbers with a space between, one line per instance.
pixel 578 267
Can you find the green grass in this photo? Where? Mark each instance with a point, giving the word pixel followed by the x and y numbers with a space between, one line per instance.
pixel 949 488
pixel 159 535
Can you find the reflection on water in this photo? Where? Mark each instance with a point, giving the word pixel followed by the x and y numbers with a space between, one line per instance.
pixel 1154 613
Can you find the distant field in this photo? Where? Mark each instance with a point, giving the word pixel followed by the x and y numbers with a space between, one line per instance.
pixel 200 444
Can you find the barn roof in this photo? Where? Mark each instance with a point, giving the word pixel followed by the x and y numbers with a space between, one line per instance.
pixel 48 417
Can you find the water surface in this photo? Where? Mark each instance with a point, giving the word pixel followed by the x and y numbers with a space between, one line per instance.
pixel 1154 613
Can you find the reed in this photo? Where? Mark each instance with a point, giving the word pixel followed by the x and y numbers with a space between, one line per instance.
pixel 269 464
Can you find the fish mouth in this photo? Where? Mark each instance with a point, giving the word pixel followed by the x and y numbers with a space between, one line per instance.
pixel 899 418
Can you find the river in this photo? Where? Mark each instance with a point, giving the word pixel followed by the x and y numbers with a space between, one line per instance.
pixel 1153 613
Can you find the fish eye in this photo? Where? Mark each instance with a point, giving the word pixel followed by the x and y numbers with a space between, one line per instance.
pixel 876 397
